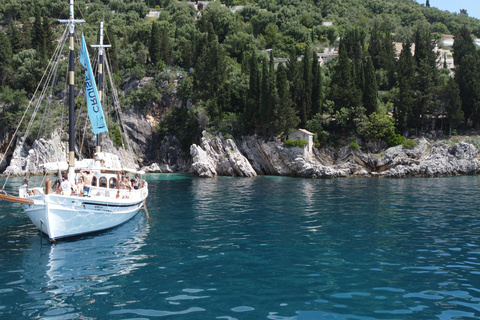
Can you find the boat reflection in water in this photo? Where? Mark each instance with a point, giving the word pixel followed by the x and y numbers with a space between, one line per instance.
pixel 62 278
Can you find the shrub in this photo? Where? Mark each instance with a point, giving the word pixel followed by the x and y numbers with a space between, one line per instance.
pixel 395 139
pixel 354 145
pixel 295 143
pixel 409 143
pixel 115 134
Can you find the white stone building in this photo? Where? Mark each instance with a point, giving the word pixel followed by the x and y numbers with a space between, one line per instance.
pixel 302 134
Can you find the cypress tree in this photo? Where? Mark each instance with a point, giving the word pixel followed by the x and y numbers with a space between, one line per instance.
pixel 262 119
pixel 6 55
pixel 285 115
pixel 155 47
pixel 382 52
pixel 371 89
pixel 165 47
pixel 253 96
pixel 271 81
pixel 295 76
pixel 466 72
pixel 404 100
pixel 112 52
pixel 48 36
pixel 469 85
pixel 453 104
pixel 210 71
pixel 38 36
pixel 317 86
pixel 15 37
pixel 462 45
pixel 26 31
pixel 306 107
pixel 344 91
pixel 375 46
pixel 426 83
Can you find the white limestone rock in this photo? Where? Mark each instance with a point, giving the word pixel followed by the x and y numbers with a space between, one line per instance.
pixel 218 156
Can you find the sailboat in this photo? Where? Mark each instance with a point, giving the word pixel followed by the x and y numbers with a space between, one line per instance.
pixel 108 199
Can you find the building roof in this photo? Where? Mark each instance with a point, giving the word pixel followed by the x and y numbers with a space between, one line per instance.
pixel 306 132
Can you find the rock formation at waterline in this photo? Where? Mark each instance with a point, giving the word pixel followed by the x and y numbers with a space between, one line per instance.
pixel 251 156
pixel 30 158
pixel 219 156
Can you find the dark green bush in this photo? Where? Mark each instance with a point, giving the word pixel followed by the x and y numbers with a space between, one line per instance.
pixel 355 146
pixel 395 139
pixel 409 143
pixel 295 143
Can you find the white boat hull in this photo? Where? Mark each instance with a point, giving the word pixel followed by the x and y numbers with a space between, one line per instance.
pixel 66 216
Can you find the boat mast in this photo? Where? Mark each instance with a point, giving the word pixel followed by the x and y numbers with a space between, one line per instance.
pixel 71 95
pixel 100 47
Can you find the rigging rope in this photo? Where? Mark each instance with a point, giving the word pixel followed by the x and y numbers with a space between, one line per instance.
pixel 116 103
pixel 37 102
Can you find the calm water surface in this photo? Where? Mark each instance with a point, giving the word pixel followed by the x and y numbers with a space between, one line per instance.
pixel 259 248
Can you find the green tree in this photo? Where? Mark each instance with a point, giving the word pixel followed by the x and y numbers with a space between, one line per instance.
pixel 38 36
pixel 307 86
pixel 271 35
pixel 220 18
pixel 317 86
pixel 404 100
pixel 426 81
pixel 155 43
pixel 468 75
pixel 462 45
pixel 253 96
pixel 450 98
pixel 370 91
pixel 345 93
pixel 466 66
pixel 380 127
pixel 210 74
pixel 15 37
pixel 295 77
pixel 285 115
pixel 382 52
pixel 6 55
pixel 48 36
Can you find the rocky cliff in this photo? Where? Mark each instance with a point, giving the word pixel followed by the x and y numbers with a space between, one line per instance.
pixel 253 156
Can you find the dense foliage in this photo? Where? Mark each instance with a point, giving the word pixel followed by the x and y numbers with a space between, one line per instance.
pixel 255 69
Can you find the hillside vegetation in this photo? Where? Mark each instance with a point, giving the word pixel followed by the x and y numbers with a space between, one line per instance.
pixel 254 69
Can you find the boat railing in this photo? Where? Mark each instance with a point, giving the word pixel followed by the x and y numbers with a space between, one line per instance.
pixel 95 191
pixel 118 193
pixel 25 192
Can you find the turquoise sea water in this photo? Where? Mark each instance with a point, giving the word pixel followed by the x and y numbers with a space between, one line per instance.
pixel 259 248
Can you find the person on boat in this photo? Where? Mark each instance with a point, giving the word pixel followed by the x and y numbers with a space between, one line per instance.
pixel 67 186
pixel 87 181
pixel 136 182
pixel 80 185
pixel 126 184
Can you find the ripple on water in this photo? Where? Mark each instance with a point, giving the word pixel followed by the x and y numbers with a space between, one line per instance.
pixel 242 309
pixel 155 313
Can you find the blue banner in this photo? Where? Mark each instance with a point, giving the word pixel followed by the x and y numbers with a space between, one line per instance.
pixel 94 107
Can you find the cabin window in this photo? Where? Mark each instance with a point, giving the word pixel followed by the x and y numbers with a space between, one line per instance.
pixel 103 182
pixel 113 183
pixel 94 181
